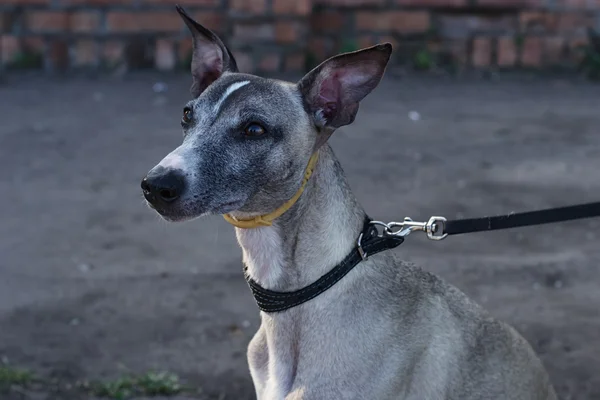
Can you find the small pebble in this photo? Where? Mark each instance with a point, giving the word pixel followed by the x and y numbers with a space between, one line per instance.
pixel 558 284
pixel 414 116
pixel 84 267
pixel 74 322
pixel 160 87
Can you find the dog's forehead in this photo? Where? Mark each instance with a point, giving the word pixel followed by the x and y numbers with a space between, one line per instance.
pixel 239 89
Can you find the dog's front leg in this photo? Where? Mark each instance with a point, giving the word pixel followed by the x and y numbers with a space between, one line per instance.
pixel 258 361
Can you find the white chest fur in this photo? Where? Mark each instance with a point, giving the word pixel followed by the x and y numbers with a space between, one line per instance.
pixel 262 253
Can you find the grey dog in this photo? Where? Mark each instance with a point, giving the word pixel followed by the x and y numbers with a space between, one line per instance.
pixel 387 330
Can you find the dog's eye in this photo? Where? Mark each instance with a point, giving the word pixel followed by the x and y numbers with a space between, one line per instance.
pixel 254 130
pixel 187 115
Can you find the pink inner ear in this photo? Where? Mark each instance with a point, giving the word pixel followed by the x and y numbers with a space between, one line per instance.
pixel 207 63
pixel 329 95
pixel 213 58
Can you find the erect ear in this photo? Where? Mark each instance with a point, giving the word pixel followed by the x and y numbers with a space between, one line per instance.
pixel 210 57
pixel 333 90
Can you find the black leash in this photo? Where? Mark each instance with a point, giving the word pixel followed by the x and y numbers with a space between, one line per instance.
pixel 437 228
pixel 530 218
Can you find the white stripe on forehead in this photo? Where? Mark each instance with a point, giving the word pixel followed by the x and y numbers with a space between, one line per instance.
pixel 232 88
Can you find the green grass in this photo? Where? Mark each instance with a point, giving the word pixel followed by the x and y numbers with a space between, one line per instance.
pixel 590 63
pixel 148 384
pixel 15 376
pixel 26 60
pixel 423 60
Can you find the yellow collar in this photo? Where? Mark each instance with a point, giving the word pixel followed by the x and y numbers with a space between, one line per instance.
pixel 267 219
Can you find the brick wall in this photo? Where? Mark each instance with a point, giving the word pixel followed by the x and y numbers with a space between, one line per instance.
pixel 292 35
pixel 459 33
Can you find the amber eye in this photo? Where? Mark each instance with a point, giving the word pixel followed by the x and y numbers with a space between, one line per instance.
pixel 254 130
pixel 187 115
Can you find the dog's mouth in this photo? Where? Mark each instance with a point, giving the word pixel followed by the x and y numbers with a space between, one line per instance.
pixel 188 210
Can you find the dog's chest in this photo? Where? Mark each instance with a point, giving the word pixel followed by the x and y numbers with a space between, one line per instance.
pixel 274 356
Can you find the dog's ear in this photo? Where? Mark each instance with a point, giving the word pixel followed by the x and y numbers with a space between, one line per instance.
pixel 210 57
pixel 333 90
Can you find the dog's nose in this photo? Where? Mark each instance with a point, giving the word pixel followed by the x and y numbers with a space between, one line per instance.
pixel 163 185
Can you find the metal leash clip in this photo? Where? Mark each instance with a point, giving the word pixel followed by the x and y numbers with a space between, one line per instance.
pixel 434 229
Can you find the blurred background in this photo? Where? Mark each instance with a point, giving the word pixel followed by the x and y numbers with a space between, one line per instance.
pixel 488 107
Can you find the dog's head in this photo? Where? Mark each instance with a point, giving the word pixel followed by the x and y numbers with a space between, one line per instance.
pixel 246 139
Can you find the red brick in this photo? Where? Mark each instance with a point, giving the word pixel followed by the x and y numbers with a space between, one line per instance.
pixel 293 7
pixel 397 21
pixel 84 21
pixel 353 3
pixel 286 32
pixel 59 54
pixel 9 48
pixel 411 22
pixel 537 21
pixel 554 49
pixel 211 20
pixel 466 26
pixel 47 21
pixel 24 2
pixel 510 3
pixel 113 52
pixel 327 22
pixel 86 53
pixel 164 55
pixel 96 2
pixel 366 41
pixel 269 63
pixel 531 55
pixel 253 31
pixel 34 44
pixel 122 21
pixel 320 48
pixel 574 22
pixel 506 52
pixel 432 3
pixel 248 6
pixel 192 3
pixel 295 62
pixel 482 52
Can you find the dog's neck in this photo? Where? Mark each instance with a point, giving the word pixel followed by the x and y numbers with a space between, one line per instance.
pixel 310 238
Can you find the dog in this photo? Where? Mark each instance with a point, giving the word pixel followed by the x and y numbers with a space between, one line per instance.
pixel 387 329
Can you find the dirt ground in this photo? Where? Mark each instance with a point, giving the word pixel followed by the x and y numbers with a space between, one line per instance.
pixel 94 285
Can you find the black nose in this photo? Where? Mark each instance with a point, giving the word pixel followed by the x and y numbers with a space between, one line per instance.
pixel 162 186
